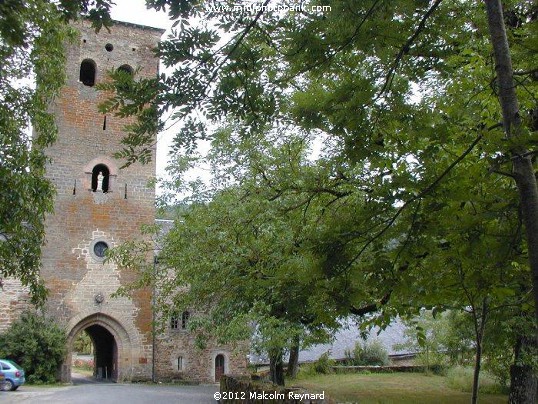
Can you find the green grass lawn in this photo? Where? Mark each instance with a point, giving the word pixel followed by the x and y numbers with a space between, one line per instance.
pixel 390 388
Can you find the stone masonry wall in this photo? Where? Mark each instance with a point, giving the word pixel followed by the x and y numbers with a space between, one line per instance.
pixel 197 364
pixel 74 275
pixel 14 299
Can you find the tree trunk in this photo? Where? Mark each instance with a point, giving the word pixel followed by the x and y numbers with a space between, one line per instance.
pixel 276 367
pixel 476 374
pixel 522 385
pixel 522 165
pixel 523 380
pixel 479 325
pixel 293 364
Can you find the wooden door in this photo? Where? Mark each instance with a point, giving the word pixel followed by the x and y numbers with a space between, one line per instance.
pixel 219 367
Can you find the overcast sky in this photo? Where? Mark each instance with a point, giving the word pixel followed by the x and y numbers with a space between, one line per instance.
pixel 135 11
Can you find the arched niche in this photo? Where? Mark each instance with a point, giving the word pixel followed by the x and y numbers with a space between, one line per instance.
pixel 109 171
pixel 100 178
pixel 220 366
pixel 125 82
pixel 126 69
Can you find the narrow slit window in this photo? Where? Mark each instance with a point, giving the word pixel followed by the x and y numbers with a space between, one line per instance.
pixel 180 363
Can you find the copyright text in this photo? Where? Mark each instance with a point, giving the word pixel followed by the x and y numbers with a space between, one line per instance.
pixel 267 395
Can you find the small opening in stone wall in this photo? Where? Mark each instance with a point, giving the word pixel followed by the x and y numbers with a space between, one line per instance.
pixel 180 363
pixel 219 366
pixel 185 320
pixel 126 69
pixel 109 47
pixel 174 322
pixel 126 78
pixel 88 70
pixel 99 249
pixel 100 178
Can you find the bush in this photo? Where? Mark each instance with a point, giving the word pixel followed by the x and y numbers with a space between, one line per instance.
pixel 37 345
pixel 498 364
pixel 83 364
pixel 438 369
pixel 370 354
pixel 431 358
pixel 323 364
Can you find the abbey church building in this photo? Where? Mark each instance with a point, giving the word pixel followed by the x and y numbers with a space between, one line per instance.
pixel 98 206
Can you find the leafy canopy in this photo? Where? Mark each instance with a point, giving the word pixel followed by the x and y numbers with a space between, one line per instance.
pixel 411 201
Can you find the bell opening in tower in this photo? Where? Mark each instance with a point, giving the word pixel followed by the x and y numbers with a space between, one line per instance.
pixel 88 70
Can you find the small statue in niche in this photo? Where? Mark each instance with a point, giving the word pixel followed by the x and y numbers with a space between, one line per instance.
pixel 100 177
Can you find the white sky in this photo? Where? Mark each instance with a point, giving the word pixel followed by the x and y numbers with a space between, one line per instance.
pixel 135 11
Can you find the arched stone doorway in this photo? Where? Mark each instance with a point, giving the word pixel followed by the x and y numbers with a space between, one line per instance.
pixel 110 342
pixel 105 357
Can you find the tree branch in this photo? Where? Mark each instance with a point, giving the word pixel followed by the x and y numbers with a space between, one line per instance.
pixel 371 308
pixel 423 193
pixel 405 48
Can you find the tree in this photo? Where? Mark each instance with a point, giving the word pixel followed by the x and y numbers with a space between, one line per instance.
pixel 32 35
pixel 523 173
pixel 240 262
pixel 405 96
pixel 83 344
pixel 36 344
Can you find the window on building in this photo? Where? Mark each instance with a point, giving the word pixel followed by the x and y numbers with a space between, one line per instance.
pixel 99 249
pixel 125 81
pixel 100 178
pixel 184 320
pixel 180 363
pixel 174 322
pixel 88 70
pixel 127 69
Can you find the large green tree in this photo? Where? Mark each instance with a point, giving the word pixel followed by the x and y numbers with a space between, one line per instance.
pixel 428 179
pixel 381 78
pixel 238 257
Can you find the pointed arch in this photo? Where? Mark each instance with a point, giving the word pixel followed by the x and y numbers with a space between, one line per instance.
pixel 112 334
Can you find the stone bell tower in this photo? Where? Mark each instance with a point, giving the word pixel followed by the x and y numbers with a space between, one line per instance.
pixel 99 205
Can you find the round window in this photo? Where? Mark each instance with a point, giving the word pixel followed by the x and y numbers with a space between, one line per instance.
pixel 100 248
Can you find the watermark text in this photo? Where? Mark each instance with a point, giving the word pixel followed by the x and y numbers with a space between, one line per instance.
pixel 255 8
